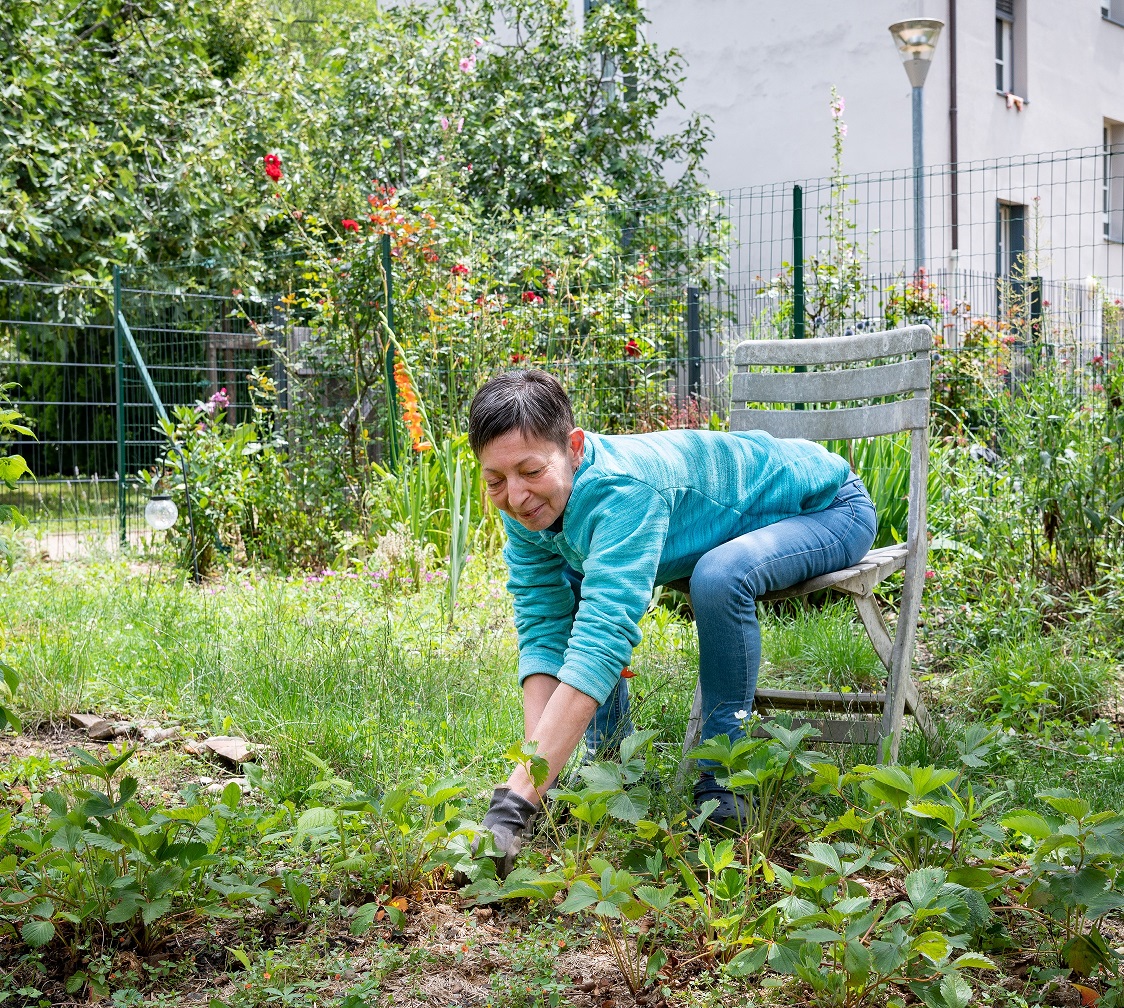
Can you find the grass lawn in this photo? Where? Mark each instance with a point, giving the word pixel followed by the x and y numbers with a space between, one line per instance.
pixel 355 687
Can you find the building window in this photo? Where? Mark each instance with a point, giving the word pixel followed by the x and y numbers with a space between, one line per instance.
pixel 1005 46
pixel 1112 181
pixel 1010 246
pixel 1113 10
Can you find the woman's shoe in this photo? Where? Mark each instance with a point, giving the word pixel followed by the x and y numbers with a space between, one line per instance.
pixel 731 810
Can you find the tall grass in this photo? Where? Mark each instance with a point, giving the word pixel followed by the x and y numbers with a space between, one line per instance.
pixel 380 687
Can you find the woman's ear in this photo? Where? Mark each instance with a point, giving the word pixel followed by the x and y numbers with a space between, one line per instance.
pixel 577 447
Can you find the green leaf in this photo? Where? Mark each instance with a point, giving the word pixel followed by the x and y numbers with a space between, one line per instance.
pixel 314 819
pixel 1065 803
pixel 299 890
pixel 231 796
pixel 12 467
pixel 933 810
pixel 922 885
pixel 973 960
pixel 1085 954
pixel 633 743
pixel 1028 824
pixel 824 854
pixel 364 918
pixel 657 899
pixel 155 909
pixel 748 962
pixel 37 932
pixel 630 806
pixel 581 896
pixel 957 992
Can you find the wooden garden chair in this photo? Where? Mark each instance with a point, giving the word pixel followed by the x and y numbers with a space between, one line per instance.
pixel 881 398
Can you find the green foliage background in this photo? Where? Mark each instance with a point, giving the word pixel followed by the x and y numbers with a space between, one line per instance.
pixel 132 131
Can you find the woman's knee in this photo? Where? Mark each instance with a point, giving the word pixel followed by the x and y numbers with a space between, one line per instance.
pixel 717 579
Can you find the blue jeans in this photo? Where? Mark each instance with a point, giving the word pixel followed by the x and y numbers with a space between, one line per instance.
pixel 727 581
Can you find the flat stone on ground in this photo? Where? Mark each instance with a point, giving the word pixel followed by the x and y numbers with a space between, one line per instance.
pixel 229 748
pixel 93 725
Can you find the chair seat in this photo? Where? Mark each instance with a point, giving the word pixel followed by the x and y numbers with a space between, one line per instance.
pixel 860 579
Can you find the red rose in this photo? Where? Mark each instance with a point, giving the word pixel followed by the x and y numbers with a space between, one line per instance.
pixel 349 225
pixel 517 358
pixel 530 297
pixel 460 269
pixel 273 167
pixel 632 348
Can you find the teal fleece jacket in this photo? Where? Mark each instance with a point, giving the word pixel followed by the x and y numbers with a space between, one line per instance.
pixel 644 508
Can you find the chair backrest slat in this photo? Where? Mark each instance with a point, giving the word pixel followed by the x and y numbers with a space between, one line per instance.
pixel 832 424
pixel 840 385
pixel 834 349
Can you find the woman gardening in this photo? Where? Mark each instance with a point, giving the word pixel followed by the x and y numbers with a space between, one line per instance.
pixel 594 522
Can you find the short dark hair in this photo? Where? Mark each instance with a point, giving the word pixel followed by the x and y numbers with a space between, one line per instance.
pixel 531 402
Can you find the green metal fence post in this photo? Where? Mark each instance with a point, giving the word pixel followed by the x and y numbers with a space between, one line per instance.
pixel 119 360
pixel 798 321
pixel 391 388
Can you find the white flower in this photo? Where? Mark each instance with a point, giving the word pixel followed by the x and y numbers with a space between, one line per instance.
pixel 742 715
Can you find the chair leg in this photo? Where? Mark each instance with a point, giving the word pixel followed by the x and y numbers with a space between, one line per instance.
pixel 871 615
pixel 691 737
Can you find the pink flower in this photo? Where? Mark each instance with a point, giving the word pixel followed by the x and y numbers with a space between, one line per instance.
pixel 460 125
pixel 930 574
pixel 837 107
pixel 468 63
pixel 219 401
pixel 1098 360
pixel 1098 387
pixel 478 42
pixel 444 122
pixel 842 129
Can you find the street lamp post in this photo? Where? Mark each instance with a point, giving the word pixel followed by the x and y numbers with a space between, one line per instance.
pixel 916 40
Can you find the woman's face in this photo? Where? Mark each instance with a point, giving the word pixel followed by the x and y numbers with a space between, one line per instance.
pixel 530 478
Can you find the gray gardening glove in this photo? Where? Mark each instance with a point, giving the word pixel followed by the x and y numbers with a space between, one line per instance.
pixel 507 819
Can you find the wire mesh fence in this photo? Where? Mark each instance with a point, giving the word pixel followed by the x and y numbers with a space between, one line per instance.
pixel 1022 260
pixel 58 347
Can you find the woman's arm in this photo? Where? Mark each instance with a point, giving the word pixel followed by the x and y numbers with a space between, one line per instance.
pixel 555 716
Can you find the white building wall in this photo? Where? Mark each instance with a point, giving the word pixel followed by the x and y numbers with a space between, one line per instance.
pixel 762 71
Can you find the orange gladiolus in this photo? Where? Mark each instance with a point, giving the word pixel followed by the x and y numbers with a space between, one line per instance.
pixel 411 408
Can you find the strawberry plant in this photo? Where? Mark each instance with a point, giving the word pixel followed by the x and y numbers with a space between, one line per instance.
pixel 101 864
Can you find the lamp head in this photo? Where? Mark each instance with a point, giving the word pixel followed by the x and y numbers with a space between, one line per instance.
pixel 161 512
pixel 916 40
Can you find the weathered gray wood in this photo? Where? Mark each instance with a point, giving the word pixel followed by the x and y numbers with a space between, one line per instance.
pixel 901 673
pixel 874 568
pixel 831 700
pixel 835 349
pixel 837 731
pixel 830 424
pixel 874 623
pixel 836 385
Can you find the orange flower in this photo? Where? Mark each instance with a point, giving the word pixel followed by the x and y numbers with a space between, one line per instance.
pixel 411 407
